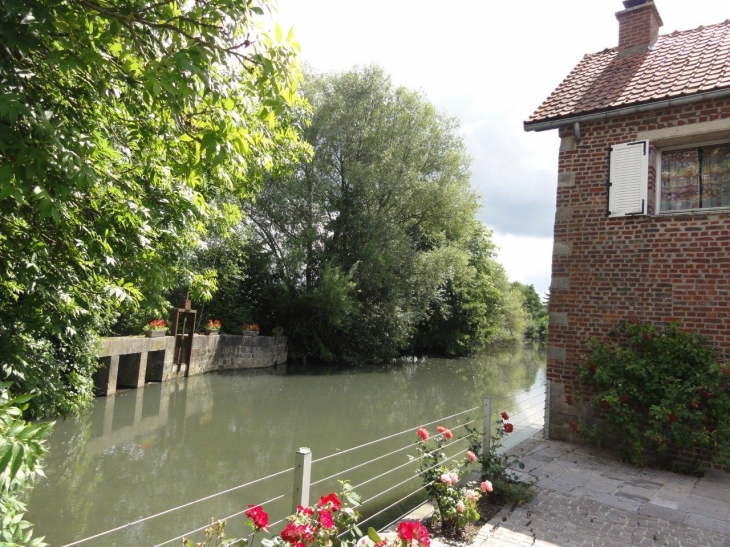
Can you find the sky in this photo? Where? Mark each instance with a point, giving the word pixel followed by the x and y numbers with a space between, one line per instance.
pixel 490 64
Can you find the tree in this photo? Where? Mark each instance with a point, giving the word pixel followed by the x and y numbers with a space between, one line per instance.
pixel 376 232
pixel 128 130
pixel 536 310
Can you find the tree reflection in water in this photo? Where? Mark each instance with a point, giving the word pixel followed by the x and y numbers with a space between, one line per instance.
pixel 144 451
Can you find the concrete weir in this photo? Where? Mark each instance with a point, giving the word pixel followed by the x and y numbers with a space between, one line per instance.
pixel 129 362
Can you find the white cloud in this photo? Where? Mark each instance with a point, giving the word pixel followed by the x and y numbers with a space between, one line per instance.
pixel 526 259
pixel 491 64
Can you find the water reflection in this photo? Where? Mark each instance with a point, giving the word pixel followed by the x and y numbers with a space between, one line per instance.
pixel 146 450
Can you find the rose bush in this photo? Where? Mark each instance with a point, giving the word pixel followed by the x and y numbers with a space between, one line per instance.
pixel 455 505
pixel 497 465
pixel 665 392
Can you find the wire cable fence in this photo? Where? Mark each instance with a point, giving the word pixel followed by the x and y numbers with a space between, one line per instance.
pixel 392 487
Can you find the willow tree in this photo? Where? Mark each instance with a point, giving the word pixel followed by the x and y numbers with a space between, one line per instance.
pixel 367 237
pixel 128 126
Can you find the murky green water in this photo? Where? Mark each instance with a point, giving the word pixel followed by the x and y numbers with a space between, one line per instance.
pixel 148 450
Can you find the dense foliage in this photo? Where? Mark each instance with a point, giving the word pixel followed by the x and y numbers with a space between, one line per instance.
pixel 371 248
pixel 537 312
pixel 129 129
pixel 22 446
pixel 664 392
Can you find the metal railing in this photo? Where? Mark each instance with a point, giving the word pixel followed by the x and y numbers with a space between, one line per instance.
pixel 528 415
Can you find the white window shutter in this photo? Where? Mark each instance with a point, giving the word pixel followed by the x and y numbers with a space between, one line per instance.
pixel 628 178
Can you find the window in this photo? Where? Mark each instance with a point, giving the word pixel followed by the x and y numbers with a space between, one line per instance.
pixel 695 178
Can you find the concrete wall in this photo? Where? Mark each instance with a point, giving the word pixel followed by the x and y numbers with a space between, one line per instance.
pixel 132 361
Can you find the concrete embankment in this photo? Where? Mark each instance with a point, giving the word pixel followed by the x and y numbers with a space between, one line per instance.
pixel 129 362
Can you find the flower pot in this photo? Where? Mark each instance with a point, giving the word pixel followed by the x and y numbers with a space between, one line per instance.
pixel 249 333
pixel 212 332
pixel 155 333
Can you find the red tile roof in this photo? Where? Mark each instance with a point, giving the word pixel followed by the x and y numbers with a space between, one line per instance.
pixel 679 64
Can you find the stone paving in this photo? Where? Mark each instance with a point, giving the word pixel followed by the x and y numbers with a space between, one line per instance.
pixel 586 498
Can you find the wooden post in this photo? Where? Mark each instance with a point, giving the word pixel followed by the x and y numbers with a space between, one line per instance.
pixel 302 477
pixel 487 427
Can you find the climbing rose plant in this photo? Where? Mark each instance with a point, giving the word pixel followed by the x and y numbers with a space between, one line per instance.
pixel 660 391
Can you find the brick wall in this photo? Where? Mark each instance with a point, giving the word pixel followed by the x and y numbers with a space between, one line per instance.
pixel 638 27
pixel 660 268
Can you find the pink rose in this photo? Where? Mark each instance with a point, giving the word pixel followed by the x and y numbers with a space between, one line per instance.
pixel 454 477
pixel 423 434
pixel 460 506
pixel 472 495
pixel 471 456
pixel 446 479
pixel 486 486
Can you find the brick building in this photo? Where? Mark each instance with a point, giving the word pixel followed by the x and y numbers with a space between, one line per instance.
pixel 642 228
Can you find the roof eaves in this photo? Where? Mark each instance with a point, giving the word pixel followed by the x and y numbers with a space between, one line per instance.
pixel 556 122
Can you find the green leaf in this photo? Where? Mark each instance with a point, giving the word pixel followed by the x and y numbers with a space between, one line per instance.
pixel 373 535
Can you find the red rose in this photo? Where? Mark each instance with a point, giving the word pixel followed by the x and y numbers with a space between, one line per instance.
pixel 569 400
pixel 405 530
pixel 605 404
pixel 325 517
pixel 296 533
pixel 330 502
pixel 573 426
pixel 306 511
pixel 695 405
pixel 258 516
pixel 423 434
pixel 672 418
pixel 420 534
pixel 647 336
pixel 624 399
pixel 504 415
pixel 509 428
pixel 592 368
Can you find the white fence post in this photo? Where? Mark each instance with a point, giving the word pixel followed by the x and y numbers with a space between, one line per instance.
pixel 546 427
pixel 487 427
pixel 302 477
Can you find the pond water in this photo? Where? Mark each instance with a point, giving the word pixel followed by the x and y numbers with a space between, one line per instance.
pixel 148 450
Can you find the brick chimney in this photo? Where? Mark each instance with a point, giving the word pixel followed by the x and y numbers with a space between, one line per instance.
pixel 638 27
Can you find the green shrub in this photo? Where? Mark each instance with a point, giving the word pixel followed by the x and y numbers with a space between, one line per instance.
pixel 21 449
pixel 661 391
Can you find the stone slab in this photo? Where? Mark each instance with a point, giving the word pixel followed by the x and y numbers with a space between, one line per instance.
pixel 706 507
pixel 664 513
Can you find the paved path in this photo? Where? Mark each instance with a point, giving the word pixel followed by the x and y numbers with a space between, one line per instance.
pixel 586 498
